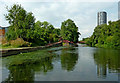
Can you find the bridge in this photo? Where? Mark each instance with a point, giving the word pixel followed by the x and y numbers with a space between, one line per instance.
pixel 54 44
pixel 82 42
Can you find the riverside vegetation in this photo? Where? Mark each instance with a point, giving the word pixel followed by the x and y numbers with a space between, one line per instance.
pixel 26 58
pixel 24 31
pixel 58 63
pixel 106 36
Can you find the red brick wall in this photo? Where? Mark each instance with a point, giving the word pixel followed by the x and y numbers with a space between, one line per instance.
pixel 2 32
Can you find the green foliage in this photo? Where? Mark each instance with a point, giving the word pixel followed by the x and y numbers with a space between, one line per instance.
pixel 107 36
pixel 11 34
pixel 69 31
pixel 21 67
pixel 21 23
pixel 45 33
pixel 26 58
pixel 19 42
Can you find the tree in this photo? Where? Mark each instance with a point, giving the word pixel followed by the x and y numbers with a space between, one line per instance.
pixel 44 33
pixel 21 22
pixel 69 31
pixel 106 35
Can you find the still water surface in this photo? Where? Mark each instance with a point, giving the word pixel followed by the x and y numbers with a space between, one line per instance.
pixel 70 64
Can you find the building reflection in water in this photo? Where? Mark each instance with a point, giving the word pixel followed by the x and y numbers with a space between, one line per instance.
pixel 101 71
pixel 119 76
pixel 107 61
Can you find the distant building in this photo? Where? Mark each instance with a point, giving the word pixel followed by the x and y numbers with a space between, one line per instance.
pixel 102 18
pixel 119 10
pixel 3 30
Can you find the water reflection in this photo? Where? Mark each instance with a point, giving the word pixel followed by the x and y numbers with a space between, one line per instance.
pixel 68 59
pixel 81 61
pixel 20 73
pixel 107 60
pixel 26 72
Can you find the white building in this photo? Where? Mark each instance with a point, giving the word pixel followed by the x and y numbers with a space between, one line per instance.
pixel 102 17
pixel 119 10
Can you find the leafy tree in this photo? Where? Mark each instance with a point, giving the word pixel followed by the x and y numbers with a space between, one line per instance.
pixel 69 31
pixel 22 25
pixel 57 31
pixel 56 35
pixel 45 32
pixel 21 22
pixel 106 35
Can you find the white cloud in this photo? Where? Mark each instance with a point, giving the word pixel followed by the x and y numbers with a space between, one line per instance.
pixel 60 0
pixel 82 13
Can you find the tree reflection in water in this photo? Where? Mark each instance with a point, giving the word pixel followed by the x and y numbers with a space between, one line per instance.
pixel 65 59
pixel 68 59
pixel 107 60
pixel 26 72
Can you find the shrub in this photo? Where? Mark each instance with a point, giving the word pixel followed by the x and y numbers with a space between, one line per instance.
pixel 19 42
pixel 4 42
pixel 27 44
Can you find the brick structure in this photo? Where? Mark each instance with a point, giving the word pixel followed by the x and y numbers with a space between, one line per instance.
pixel 3 30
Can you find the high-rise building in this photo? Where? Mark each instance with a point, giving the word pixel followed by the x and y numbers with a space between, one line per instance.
pixel 119 10
pixel 102 18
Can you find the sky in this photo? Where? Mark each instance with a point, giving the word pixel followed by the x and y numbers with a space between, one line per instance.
pixel 82 12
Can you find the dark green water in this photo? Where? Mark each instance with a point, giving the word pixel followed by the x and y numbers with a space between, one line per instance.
pixel 69 64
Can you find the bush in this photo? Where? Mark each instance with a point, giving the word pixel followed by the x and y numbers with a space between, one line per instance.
pixel 5 42
pixel 19 42
pixel 27 44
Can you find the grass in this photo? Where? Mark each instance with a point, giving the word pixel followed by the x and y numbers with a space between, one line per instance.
pixel 0 46
pixel 6 47
pixel 26 58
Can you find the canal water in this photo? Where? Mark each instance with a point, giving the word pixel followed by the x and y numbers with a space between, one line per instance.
pixel 69 64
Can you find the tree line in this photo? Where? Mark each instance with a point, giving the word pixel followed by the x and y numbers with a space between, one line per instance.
pixel 107 36
pixel 23 26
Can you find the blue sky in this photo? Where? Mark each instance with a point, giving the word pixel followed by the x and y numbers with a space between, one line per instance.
pixel 82 12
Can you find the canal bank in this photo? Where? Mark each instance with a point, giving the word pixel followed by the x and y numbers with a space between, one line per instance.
pixel 62 64
pixel 14 51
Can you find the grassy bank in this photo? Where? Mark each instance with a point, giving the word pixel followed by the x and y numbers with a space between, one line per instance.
pixel 26 58
pixel 6 47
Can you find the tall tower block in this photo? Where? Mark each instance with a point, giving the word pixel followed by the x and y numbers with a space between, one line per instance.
pixel 119 10
pixel 102 18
